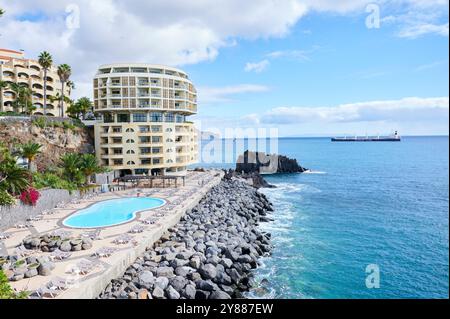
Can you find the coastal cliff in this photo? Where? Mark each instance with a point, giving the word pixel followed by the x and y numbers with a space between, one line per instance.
pixel 209 254
pixel 55 140
pixel 263 163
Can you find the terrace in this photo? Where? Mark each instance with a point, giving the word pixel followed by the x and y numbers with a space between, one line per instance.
pixel 84 273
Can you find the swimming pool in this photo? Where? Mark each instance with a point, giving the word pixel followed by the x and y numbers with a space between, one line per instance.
pixel 111 212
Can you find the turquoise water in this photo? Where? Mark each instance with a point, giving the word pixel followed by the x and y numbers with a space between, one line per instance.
pixel 369 203
pixel 111 212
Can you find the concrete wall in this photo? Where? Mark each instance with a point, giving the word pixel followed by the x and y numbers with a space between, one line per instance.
pixel 9 216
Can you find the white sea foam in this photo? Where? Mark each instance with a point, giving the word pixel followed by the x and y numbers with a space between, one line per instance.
pixel 314 172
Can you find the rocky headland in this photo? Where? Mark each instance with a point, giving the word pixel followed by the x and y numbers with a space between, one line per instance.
pixel 262 163
pixel 209 254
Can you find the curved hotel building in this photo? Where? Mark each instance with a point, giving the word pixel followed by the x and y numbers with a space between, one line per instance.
pixel 143 127
pixel 15 68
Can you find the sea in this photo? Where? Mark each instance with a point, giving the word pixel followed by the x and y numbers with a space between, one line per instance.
pixel 370 220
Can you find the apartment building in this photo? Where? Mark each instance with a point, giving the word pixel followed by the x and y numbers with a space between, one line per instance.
pixel 144 127
pixel 15 68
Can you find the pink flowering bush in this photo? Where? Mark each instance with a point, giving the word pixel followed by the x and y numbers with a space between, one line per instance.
pixel 30 196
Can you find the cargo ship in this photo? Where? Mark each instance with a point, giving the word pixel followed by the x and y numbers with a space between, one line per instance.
pixel 391 138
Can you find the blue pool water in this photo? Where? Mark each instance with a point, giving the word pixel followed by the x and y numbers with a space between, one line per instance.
pixel 369 203
pixel 111 212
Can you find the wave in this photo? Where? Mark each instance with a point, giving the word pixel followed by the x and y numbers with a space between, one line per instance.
pixel 314 172
pixel 283 189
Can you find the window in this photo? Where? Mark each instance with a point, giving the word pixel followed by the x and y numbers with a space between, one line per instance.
pixel 131 163
pixel 129 130
pixel 108 118
pixel 144 129
pixel 130 141
pixel 156 129
pixel 117 140
pixel 156 139
pixel 117 129
pixel 156 161
pixel 156 117
pixel 144 139
pixel 180 118
pixel 169 129
pixel 117 151
pixel 145 150
pixel 139 117
pixel 169 117
pixel 123 118
pixel 156 150
pixel 146 161
pixel 131 152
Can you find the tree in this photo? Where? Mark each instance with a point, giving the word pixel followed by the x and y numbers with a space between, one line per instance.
pixel 70 85
pixel 89 166
pixel 13 179
pixel 2 12
pixel 80 107
pixel 23 98
pixel 29 151
pixel 64 73
pixel 70 163
pixel 6 292
pixel 46 61
pixel 3 85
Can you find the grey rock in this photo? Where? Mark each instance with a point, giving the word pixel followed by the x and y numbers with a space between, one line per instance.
pixel 31 273
pixel 164 272
pixel 65 246
pixel 195 262
pixel 208 271
pixel 158 293
pixel 219 295
pixel 189 292
pixel 161 282
pixel 172 293
pixel 146 279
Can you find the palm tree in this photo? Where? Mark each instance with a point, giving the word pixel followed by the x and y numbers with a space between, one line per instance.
pixel 29 151
pixel 3 85
pixel 13 179
pixel 70 164
pixel 89 166
pixel 80 107
pixel 46 61
pixel 70 85
pixel 64 73
pixel 23 97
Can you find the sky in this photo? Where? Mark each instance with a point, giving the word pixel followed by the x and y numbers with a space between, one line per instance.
pixel 302 67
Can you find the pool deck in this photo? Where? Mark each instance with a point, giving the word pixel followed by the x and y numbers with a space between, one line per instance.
pixel 90 285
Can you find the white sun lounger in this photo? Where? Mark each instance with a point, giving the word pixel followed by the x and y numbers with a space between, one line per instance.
pixel 136 229
pixel 105 252
pixel 123 239
pixel 59 255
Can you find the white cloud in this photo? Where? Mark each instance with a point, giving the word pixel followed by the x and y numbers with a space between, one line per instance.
pixel 410 109
pixel 224 94
pixel 177 32
pixel 256 67
pixel 415 31
pixel 294 54
pixel 429 66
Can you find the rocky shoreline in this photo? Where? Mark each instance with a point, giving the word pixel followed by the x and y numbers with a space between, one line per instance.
pixel 209 254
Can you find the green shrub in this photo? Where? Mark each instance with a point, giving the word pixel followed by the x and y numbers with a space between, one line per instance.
pixel 40 122
pixel 6 199
pixel 68 125
pixel 6 292
pixel 51 180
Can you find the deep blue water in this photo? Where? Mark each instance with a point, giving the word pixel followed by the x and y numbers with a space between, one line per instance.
pixel 371 203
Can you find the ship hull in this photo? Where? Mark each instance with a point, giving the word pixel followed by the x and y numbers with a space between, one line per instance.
pixel 381 139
